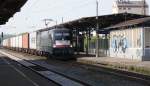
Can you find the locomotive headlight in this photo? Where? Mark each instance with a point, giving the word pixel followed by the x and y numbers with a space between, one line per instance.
pixel 71 46
pixel 54 46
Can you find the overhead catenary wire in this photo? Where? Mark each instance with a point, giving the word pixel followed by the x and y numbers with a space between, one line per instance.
pixel 31 14
pixel 31 7
pixel 67 10
pixel 57 4
pixel 78 5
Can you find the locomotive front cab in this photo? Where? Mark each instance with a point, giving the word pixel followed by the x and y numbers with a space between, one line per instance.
pixel 62 44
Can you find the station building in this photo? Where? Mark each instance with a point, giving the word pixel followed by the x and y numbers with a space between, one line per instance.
pixel 113 40
pixel 130 6
pixel 130 39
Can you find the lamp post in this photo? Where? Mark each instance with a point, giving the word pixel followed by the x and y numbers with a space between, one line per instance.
pixel 97 28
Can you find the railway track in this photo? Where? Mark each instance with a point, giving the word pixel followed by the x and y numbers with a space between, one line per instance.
pixel 64 79
pixel 145 79
pixel 56 77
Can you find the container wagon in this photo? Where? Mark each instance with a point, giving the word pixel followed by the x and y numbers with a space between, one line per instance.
pixel 49 42
pixel 17 43
pixel 20 42
pixel 25 42
pixel 33 43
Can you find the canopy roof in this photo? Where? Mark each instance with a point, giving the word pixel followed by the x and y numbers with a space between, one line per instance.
pixel 141 22
pixel 8 8
pixel 104 21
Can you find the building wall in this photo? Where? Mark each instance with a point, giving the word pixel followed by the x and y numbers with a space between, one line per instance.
pixel 126 43
pixel 146 55
pixel 135 7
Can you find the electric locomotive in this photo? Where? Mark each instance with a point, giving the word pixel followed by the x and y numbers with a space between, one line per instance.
pixel 55 41
pixel 62 44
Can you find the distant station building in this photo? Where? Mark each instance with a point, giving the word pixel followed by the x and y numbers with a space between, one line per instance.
pixel 135 7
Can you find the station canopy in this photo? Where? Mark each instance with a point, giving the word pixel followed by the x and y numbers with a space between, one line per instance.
pixel 141 22
pixel 8 8
pixel 90 23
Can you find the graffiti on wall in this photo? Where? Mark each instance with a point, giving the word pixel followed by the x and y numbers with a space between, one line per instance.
pixel 139 43
pixel 138 52
pixel 127 43
pixel 119 43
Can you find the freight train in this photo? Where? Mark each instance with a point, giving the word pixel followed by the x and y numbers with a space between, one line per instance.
pixel 47 42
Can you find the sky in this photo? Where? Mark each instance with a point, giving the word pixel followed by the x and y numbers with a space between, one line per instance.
pixel 32 14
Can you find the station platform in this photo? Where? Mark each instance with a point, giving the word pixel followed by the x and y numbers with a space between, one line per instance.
pixel 9 76
pixel 13 74
pixel 119 63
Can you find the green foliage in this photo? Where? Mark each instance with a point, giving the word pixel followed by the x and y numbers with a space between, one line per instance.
pixel 103 43
pixel 93 39
pixel 141 70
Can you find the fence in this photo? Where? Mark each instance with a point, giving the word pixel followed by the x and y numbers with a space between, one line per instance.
pixel 91 46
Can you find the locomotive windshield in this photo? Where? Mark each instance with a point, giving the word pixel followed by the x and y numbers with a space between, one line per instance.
pixel 62 35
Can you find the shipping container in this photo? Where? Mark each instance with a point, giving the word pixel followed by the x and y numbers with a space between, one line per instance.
pixel 5 42
pixel 20 41
pixel 11 42
pixel 14 42
pixel 17 41
pixel 8 42
pixel 25 40
pixel 33 39
pixel 43 41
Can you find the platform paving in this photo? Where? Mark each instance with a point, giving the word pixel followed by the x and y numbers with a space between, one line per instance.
pixel 13 74
pixel 10 77
pixel 115 62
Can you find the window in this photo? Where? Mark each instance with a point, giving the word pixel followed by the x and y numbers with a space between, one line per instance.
pixel 62 36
